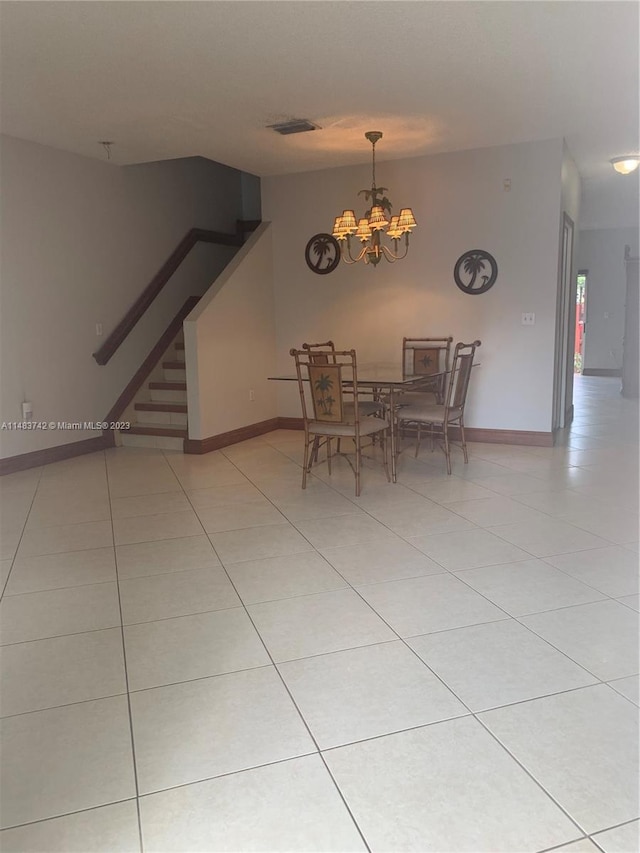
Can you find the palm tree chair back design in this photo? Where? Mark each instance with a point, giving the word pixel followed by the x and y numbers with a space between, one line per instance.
pixel 325 353
pixel 428 357
pixel 325 382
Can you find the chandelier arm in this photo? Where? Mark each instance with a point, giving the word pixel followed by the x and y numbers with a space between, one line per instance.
pixel 389 255
pixel 347 257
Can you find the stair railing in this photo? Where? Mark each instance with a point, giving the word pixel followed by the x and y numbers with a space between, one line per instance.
pixel 137 310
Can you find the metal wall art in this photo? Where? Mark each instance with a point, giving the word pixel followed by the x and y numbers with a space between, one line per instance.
pixel 322 254
pixel 475 272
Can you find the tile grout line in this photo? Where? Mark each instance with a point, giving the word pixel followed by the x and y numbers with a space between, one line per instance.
pixel 531 776
pixel 65 814
pixel 126 675
pixel 24 527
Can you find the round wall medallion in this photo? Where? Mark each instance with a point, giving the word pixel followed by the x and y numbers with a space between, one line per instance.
pixel 475 271
pixel 322 254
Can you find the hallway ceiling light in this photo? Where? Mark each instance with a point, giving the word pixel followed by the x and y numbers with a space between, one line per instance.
pixel 368 229
pixel 626 165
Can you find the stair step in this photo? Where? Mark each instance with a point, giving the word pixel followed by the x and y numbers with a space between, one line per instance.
pixel 173 365
pixel 154 429
pixel 168 386
pixel 176 408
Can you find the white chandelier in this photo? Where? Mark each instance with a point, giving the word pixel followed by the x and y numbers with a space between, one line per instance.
pixel 368 229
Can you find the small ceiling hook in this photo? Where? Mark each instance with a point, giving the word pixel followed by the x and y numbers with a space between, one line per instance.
pixel 106 144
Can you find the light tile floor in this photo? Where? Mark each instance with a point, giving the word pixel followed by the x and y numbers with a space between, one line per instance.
pixel 199 656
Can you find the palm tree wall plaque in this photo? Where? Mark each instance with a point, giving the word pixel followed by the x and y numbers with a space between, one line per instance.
pixel 472 264
pixel 322 254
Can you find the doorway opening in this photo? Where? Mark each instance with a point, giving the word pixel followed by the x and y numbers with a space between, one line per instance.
pixel 581 321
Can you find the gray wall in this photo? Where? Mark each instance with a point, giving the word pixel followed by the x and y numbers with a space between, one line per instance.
pixel 601 252
pixel 460 203
pixel 81 238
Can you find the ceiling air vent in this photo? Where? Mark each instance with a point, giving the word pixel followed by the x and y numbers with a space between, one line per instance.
pixel 296 125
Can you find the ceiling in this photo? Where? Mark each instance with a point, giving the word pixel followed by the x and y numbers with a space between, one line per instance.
pixel 175 79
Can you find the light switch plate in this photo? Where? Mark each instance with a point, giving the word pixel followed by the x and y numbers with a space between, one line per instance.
pixel 528 319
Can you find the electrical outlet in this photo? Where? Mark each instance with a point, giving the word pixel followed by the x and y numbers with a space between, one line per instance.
pixel 528 319
pixel 98 329
pixel 506 185
pixel 252 396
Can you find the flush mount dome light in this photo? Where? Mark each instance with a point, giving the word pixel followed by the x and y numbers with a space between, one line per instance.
pixel 626 165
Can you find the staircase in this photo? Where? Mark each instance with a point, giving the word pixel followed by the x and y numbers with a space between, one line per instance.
pixel 158 413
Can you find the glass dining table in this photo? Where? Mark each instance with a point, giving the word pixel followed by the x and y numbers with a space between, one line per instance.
pixel 387 381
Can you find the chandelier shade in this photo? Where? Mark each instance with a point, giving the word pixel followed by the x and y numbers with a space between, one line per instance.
pixel 370 228
pixel 349 221
pixel 364 231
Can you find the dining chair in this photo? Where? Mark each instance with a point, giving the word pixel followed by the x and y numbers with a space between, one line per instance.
pixel 325 353
pixel 329 415
pixel 427 357
pixel 441 417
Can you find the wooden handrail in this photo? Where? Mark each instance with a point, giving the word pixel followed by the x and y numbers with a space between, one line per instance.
pixel 195 235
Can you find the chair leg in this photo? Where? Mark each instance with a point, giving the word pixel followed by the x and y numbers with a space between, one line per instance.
pixel 306 462
pixel 384 446
pixel 328 440
pixel 315 450
pixel 447 449
pixel 358 462
pixel 418 440
pixel 463 441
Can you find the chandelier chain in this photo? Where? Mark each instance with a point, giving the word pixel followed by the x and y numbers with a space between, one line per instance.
pixel 373 186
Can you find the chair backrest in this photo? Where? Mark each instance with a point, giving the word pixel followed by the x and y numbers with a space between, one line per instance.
pixel 323 353
pixel 460 374
pixel 425 356
pixel 325 382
